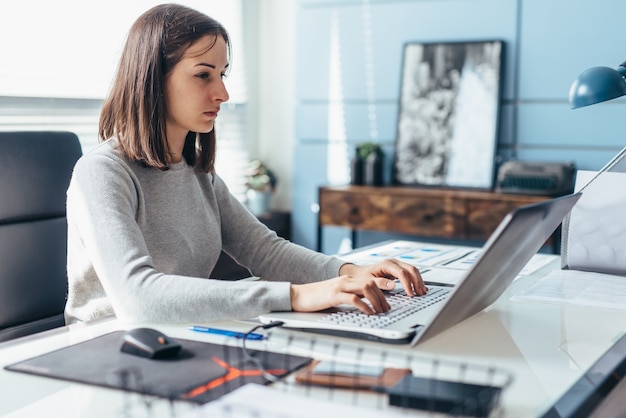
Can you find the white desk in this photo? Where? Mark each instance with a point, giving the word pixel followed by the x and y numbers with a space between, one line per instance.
pixel 546 347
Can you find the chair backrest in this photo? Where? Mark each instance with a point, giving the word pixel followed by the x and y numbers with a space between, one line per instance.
pixel 35 170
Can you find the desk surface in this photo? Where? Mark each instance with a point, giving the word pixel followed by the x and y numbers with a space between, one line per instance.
pixel 545 347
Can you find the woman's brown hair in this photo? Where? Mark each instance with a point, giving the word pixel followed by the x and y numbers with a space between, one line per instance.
pixel 134 110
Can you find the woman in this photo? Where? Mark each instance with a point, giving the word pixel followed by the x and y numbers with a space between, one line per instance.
pixel 148 215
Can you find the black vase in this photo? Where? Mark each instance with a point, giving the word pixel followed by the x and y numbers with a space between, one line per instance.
pixel 356 169
pixel 374 168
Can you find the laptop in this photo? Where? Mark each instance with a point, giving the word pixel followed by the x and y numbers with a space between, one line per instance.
pixel 518 237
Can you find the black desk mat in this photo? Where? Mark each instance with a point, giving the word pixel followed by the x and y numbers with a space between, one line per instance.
pixel 200 373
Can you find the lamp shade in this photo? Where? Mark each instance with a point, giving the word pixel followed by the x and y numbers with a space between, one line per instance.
pixel 597 84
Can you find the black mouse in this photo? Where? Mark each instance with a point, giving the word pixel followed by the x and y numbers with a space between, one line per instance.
pixel 149 343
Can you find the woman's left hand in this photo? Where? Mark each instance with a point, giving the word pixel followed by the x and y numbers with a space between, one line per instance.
pixel 388 270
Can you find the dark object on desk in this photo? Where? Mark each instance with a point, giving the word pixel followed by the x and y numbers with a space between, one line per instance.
pixel 201 372
pixel 149 343
pixel 539 178
pixel 35 171
pixel 596 388
pixel 351 376
pixel 454 398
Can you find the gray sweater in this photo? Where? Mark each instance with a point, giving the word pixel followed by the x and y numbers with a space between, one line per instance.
pixel 142 243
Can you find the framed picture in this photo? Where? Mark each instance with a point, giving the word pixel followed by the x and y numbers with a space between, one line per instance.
pixel 448 114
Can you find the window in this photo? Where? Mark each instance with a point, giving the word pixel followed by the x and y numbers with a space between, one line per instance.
pixel 58 59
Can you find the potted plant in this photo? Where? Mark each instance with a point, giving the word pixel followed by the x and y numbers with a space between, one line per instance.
pixel 260 183
pixel 366 148
pixel 367 164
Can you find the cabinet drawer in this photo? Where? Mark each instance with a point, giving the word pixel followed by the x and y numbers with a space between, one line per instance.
pixel 429 217
pixel 354 210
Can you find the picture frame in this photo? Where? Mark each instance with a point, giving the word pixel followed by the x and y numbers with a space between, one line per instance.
pixel 448 115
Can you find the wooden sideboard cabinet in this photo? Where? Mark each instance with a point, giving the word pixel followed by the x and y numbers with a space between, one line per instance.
pixel 424 212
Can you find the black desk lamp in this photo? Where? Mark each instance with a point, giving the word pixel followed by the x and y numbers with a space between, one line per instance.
pixel 598 84
pixel 595 85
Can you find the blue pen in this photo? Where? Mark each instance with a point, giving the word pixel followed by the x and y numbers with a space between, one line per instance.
pixel 228 333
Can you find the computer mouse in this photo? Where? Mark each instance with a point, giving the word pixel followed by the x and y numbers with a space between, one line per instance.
pixel 149 343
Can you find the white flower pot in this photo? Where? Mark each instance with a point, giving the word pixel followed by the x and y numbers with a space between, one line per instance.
pixel 258 202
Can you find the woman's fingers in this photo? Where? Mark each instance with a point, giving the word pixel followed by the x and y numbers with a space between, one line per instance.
pixel 408 275
pixel 352 290
pixel 371 291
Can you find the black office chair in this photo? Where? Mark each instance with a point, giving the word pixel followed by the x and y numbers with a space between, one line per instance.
pixel 35 170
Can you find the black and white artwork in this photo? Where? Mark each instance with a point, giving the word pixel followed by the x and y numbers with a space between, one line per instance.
pixel 448 114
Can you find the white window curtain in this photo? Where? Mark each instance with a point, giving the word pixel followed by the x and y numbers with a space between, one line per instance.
pixel 58 60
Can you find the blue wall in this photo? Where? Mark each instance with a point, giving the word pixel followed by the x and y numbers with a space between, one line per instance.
pixel 548 43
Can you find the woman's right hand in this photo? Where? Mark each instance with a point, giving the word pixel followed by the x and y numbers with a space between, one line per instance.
pixel 312 297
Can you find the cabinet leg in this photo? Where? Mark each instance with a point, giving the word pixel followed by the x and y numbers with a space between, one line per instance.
pixel 319 238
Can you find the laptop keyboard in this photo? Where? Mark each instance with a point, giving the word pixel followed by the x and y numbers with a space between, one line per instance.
pixel 402 306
